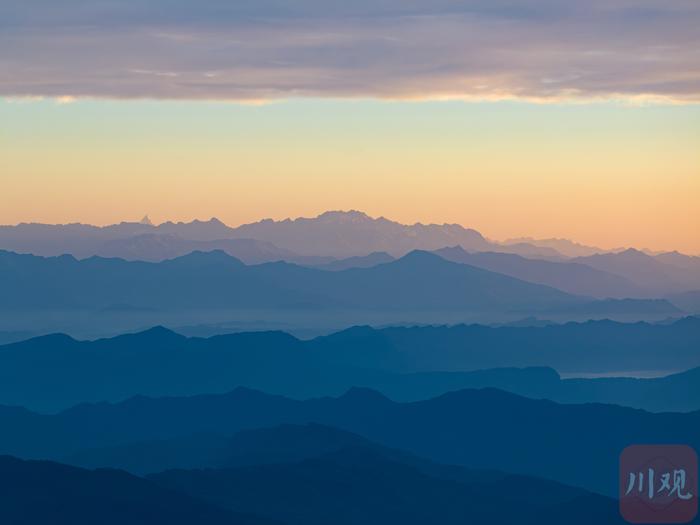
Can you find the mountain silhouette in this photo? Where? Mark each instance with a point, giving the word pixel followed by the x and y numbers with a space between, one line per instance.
pixel 421 280
pixel 565 247
pixel 197 230
pixel 592 346
pixel 138 241
pixel 205 280
pixel 334 234
pixel 313 474
pixel 576 445
pixel 689 263
pixel 158 247
pixel 349 236
pixel 654 274
pixel 54 372
pixel 368 484
pixel 672 393
pixel 417 281
pixel 574 278
pixel 687 301
pixel 260 446
pixel 365 261
pixel 346 234
pixel 43 492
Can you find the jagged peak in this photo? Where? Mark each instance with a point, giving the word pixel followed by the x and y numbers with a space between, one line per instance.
pixel 349 215
pixel 158 332
pixel 212 221
pixel 633 252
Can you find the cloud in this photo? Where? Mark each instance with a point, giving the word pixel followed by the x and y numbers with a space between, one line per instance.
pixel 540 50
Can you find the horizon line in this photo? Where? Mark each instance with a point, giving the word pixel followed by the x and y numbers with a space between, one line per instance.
pixel 146 222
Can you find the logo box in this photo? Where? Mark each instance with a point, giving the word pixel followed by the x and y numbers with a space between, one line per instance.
pixel 658 484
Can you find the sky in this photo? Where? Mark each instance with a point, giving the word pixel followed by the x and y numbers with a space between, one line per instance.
pixel 537 118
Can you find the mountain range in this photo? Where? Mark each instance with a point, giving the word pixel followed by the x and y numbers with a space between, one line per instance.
pixel 678 392
pixel 158 247
pixel 419 282
pixel 381 485
pixel 663 274
pixel 314 474
pixel 44 492
pixel 577 445
pixel 341 240
pixel 332 234
pixel 345 234
pixel 571 277
pixel 54 372
pixel 565 247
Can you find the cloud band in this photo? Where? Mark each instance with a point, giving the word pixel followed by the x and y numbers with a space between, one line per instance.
pixel 542 50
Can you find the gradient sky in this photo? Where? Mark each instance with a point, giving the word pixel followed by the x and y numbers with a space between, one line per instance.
pixel 531 117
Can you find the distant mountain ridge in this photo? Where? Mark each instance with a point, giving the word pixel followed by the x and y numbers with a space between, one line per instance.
pixel 335 234
pixel 141 242
pixel 159 247
pixel 566 247
pixel 346 234
pixel 662 274
pixel 367 261
pixel 571 277
pixel 342 234
pixel 337 240
pixel 200 280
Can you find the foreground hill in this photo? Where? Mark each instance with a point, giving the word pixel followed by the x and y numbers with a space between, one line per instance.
pixel 54 372
pixel 365 485
pixel 293 474
pixel 43 492
pixel 485 429
pixel 259 446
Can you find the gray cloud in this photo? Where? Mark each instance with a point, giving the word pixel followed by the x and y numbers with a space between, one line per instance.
pixel 267 49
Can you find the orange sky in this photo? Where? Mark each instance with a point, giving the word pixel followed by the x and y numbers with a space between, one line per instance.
pixel 609 175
